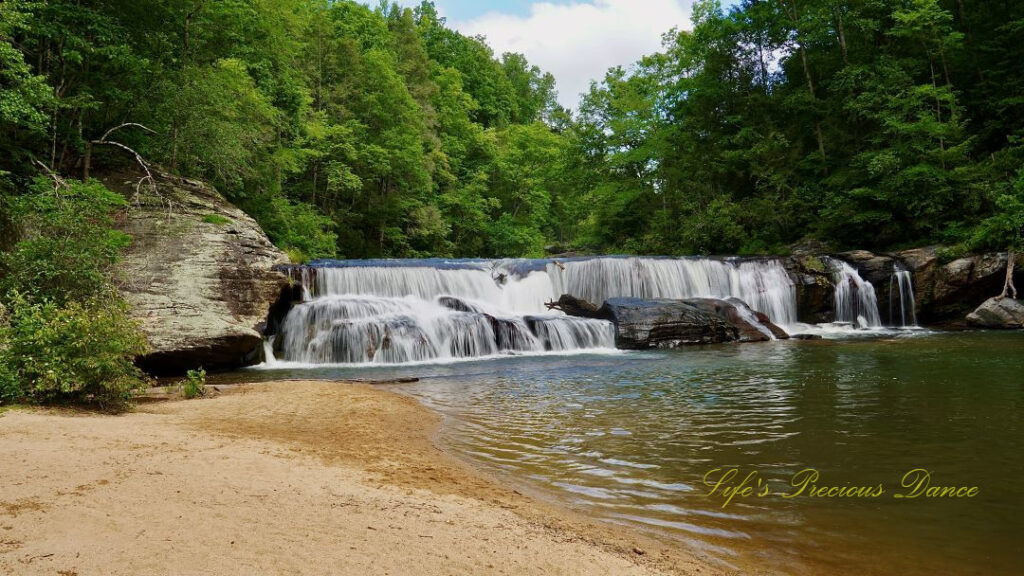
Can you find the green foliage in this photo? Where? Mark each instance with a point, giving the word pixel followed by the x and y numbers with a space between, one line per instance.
pixel 67 246
pixel 65 333
pixel 296 227
pixel 216 219
pixel 194 384
pixel 354 131
pixel 81 351
pixel 1004 230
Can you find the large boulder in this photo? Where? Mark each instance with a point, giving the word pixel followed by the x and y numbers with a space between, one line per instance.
pixel 198 275
pixel 922 263
pixel 641 324
pixel 1004 313
pixel 946 291
pixel 815 289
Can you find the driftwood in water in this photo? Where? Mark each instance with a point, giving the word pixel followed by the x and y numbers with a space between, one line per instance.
pixel 574 306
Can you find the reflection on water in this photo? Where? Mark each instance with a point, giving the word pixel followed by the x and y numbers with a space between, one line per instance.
pixel 631 437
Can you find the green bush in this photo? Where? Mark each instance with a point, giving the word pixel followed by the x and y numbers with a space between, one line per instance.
pixel 216 219
pixel 79 351
pixel 65 332
pixel 68 248
pixel 194 384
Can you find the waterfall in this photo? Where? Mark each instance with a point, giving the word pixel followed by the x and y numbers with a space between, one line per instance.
pixel 402 311
pixel 763 284
pixel 855 297
pixel 901 290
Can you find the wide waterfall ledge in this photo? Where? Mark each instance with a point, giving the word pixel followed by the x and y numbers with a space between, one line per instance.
pixel 374 312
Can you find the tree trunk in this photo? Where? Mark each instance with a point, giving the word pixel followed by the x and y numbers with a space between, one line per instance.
pixel 87 161
pixel 1008 288
pixel 841 34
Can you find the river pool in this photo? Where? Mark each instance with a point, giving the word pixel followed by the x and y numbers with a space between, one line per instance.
pixel 641 438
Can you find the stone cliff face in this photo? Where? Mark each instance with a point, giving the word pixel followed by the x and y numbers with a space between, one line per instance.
pixel 943 291
pixel 198 275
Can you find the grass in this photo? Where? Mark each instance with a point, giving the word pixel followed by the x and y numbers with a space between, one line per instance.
pixel 216 219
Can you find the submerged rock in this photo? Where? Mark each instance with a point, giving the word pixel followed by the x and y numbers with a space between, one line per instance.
pixel 641 324
pixel 1004 313
pixel 200 275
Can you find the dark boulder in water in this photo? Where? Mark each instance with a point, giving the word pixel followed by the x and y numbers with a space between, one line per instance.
pixel 1003 313
pixel 641 324
pixel 752 326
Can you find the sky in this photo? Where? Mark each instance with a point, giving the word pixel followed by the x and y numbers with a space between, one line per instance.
pixel 576 40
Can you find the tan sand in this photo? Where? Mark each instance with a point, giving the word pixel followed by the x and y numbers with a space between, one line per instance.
pixel 281 478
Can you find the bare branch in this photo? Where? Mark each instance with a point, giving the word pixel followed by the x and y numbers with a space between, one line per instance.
pixel 116 128
pixel 58 181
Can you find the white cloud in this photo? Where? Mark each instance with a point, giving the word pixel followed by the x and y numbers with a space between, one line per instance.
pixel 578 42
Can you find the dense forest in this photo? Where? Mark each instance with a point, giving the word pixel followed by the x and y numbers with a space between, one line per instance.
pixel 356 132
pixel 352 131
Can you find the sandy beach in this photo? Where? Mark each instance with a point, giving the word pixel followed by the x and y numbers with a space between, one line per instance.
pixel 282 478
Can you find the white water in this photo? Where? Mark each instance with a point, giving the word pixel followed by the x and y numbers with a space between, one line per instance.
pixel 750 317
pixel 763 284
pixel 855 297
pixel 901 297
pixel 404 312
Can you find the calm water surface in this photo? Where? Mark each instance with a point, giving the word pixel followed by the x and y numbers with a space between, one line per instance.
pixel 631 436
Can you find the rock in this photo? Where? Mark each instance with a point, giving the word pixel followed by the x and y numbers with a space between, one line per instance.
pixel 750 326
pixel 805 336
pixel 643 324
pixel 199 286
pixel 946 292
pixel 872 267
pixel 1004 313
pixel 574 306
pixel 774 328
pixel 815 290
pixel 922 263
pixel 456 304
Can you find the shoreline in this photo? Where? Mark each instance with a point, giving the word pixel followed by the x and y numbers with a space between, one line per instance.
pixel 296 477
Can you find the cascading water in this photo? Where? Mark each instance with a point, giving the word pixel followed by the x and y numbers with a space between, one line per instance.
pixel 401 311
pixel 855 297
pixel 763 284
pixel 901 297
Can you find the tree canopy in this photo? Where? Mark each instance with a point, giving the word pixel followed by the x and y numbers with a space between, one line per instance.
pixel 351 131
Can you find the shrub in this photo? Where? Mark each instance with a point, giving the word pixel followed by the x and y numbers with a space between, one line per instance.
pixel 68 248
pixel 78 351
pixel 216 219
pixel 194 384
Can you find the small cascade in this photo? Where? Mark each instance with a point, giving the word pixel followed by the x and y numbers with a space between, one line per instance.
pixel 564 333
pixel 268 351
pixel 902 308
pixel 750 317
pixel 855 297
pixel 763 284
